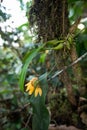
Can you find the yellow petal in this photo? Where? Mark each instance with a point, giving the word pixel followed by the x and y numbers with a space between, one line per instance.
pixel 38 90
pixel 28 87
pixel 28 84
pixel 31 90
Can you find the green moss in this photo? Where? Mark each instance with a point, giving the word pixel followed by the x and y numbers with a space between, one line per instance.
pixel 75 118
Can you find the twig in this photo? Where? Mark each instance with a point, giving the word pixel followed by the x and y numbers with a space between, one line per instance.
pixel 27 121
pixel 66 67
pixel 19 109
pixel 22 108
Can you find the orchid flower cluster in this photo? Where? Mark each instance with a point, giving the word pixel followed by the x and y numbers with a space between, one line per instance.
pixel 33 87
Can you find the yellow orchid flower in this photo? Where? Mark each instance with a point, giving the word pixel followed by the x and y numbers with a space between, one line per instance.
pixel 30 87
pixel 38 90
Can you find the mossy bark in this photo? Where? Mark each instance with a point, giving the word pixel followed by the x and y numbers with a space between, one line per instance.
pixel 76 68
pixel 61 56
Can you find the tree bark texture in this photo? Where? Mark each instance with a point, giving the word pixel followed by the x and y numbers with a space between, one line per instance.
pixel 61 56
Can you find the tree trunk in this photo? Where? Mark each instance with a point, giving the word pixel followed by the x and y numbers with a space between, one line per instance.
pixel 51 18
pixel 61 56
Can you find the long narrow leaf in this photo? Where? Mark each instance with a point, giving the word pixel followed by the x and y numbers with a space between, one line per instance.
pixel 28 60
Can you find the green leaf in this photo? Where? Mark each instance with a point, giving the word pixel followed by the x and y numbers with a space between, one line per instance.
pixel 85 45
pixel 68 45
pixel 28 58
pixel 42 57
pixel 44 85
pixel 54 42
pixel 41 119
pixel 58 47
pixel 40 113
pixel 23 25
